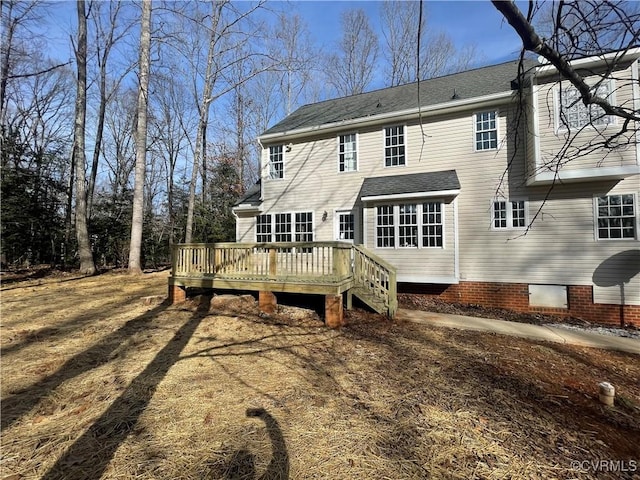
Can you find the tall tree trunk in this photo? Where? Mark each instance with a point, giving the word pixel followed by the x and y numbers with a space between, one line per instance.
pixel 135 247
pixel 99 133
pixel 87 266
pixel 204 120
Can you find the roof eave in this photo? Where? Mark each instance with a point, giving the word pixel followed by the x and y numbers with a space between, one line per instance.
pixel 630 55
pixel 449 107
pixel 405 196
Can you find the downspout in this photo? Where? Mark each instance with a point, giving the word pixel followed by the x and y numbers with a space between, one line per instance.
pixel 456 242
pixel 260 169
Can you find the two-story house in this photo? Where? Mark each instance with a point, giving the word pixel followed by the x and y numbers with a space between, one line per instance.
pixel 473 191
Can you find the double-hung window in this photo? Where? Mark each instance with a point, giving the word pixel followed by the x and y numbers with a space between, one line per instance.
pixel 410 225
pixel 282 227
pixel 432 224
pixel 304 227
pixel 574 114
pixel 276 162
pixel 385 230
pixel 263 229
pixel 347 153
pixel 510 214
pixel 616 217
pixel 394 146
pixel 486 131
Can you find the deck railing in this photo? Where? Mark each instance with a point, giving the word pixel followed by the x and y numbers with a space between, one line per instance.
pixel 375 277
pixel 311 261
pixel 372 279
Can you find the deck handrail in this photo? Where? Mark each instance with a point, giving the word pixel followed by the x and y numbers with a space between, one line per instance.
pixel 376 277
pixel 265 261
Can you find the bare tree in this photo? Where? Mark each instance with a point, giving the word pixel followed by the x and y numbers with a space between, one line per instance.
pixel 227 46
pixel 135 249
pixel 401 28
pixel 210 77
pixel 87 265
pixel 14 14
pixel 172 124
pixel 350 70
pixel 105 41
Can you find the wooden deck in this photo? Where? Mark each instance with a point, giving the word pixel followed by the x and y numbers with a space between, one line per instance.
pixel 324 268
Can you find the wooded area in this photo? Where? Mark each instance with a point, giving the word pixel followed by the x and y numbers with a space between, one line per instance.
pixel 118 175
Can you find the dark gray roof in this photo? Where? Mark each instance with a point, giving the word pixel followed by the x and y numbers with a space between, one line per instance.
pixel 251 196
pixel 410 183
pixel 449 88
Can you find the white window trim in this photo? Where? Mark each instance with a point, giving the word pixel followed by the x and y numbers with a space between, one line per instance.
pixel 510 213
pixel 635 212
pixel 284 162
pixel 420 224
pixel 406 145
pixel 559 127
pixel 336 224
pixel 357 134
pixel 475 130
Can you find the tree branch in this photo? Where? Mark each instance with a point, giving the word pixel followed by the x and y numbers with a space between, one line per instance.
pixel 34 74
pixel 531 41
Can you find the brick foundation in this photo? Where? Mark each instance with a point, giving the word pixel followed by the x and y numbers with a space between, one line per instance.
pixel 333 313
pixel 515 296
pixel 177 294
pixel 267 302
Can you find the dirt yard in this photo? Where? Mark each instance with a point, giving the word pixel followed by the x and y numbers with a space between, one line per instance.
pixel 95 384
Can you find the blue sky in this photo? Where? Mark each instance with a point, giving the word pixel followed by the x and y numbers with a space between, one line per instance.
pixel 467 22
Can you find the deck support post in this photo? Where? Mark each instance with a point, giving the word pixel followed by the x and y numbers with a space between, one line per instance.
pixel 177 294
pixel 267 302
pixel 333 313
pixel 349 300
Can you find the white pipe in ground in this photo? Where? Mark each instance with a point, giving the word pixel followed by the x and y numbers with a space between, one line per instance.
pixel 607 393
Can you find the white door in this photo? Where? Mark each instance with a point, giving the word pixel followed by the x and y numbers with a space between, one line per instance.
pixel 345 225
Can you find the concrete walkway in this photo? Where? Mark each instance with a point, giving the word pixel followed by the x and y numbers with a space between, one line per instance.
pixel 524 330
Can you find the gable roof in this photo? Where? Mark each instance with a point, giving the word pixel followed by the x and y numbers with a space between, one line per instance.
pixel 409 184
pixel 456 87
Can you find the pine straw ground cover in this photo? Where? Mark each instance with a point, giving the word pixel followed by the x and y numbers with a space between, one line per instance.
pixel 96 384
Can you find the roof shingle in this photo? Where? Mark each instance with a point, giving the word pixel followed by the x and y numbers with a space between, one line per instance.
pixel 410 183
pixel 470 84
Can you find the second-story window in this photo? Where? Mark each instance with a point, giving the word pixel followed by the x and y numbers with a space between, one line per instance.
pixel 276 162
pixel 486 131
pixel 347 153
pixel 394 146
pixel 575 114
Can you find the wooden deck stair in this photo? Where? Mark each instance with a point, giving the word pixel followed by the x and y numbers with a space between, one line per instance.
pixel 328 268
pixel 374 281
